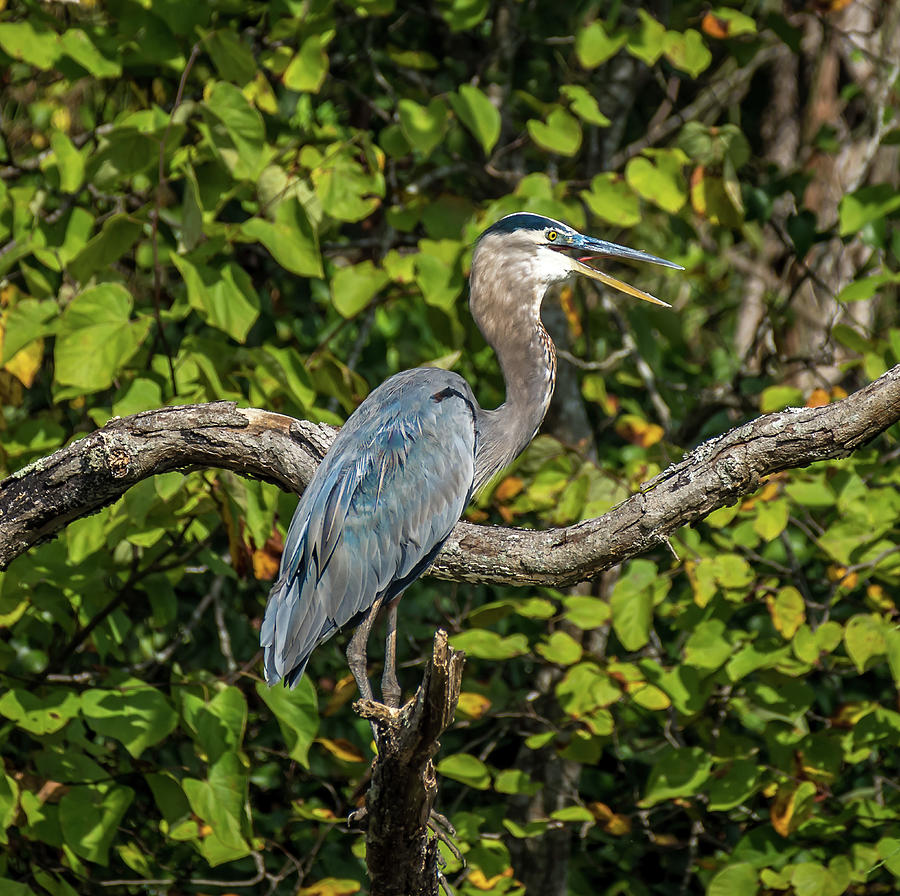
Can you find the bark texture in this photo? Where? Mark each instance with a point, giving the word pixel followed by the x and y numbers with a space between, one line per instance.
pixel 400 855
pixel 42 498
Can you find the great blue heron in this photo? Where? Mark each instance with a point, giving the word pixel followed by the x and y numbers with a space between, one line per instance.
pixel 405 464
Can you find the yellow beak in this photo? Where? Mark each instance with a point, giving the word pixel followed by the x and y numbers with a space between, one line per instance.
pixel 582 268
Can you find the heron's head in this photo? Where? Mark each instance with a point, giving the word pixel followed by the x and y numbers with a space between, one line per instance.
pixel 537 251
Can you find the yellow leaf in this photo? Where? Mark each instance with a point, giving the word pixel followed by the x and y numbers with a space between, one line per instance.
pixel 265 566
pixel 818 398
pixel 648 695
pixel 639 432
pixel 473 705
pixel 331 886
pixel 792 806
pixel 613 823
pixel 341 749
pixel 509 488
pixel 788 611
pixel 344 691
pixel 26 362
pixel 478 880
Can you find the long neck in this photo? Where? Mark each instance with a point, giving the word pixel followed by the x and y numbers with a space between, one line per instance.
pixel 508 314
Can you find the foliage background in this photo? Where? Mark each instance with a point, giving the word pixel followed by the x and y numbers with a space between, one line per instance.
pixel 275 203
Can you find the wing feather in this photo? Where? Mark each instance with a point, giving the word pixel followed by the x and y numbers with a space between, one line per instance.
pixel 384 499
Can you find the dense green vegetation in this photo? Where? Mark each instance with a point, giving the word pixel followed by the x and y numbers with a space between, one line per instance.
pixel 275 203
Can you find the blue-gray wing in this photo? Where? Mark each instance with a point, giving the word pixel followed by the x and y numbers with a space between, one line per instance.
pixel 378 509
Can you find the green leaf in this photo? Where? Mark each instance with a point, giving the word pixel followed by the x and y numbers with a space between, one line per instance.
pixel 680 772
pixel 771 518
pixel 733 788
pixel 291 238
pixel 307 70
pixel 632 604
pixel 611 199
pixel 118 235
pixel 584 105
pixel 468 769
pixel 514 780
pixel 354 286
pixel 864 639
pixel 777 398
pixel 739 879
pixel 297 714
pixel 708 647
pixel 232 58
pixel 9 804
pixel 437 274
pixel 586 612
pixel 69 162
pixel 593 46
pixel 78 46
pixel 560 134
pixel 39 714
pixel 687 52
pixel 889 853
pixel 573 813
pixel 225 298
pixel 346 190
pixel 488 645
pixel 89 817
pixel 135 714
pixel 461 15
pixel 738 23
pixel 660 182
pixel 217 725
pixel 478 114
pixel 813 879
pixel 865 205
pixel 646 40
pixel 585 688
pixel 236 128
pixel 37 46
pixel 96 336
pixel 866 287
pixel 220 801
pixel 560 648
pixel 423 126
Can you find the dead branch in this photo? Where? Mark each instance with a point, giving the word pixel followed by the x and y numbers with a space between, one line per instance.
pixel 42 498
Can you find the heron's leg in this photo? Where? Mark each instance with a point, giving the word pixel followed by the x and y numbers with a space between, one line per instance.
pixel 390 687
pixel 356 652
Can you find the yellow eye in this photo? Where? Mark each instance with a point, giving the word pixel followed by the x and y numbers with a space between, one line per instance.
pixel 552 235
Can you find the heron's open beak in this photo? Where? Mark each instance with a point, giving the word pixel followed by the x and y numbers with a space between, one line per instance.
pixel 603 249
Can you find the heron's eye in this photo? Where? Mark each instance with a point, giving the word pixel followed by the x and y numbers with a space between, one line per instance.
pixel 552 235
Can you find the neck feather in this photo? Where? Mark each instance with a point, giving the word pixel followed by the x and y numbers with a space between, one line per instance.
pixel 508 314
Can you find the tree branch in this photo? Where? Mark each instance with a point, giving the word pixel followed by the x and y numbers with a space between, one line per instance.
pixel 42 498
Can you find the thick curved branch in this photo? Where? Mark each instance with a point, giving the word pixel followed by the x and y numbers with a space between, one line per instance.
pixel 41 499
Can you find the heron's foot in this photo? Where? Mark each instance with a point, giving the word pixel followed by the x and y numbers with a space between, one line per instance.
pixel 380 713
pixel 357 816
pixel 445 832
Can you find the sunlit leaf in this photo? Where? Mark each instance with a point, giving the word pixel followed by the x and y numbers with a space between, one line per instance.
pixel 96 336
pixel 478 114
pixel 593 45
pixel 561 133
pixel 468 769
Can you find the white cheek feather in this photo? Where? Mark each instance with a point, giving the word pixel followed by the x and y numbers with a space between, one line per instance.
pixel 549 266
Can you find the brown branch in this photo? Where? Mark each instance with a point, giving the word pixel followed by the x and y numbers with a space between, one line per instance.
pixel 400 856
pixel 41 499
